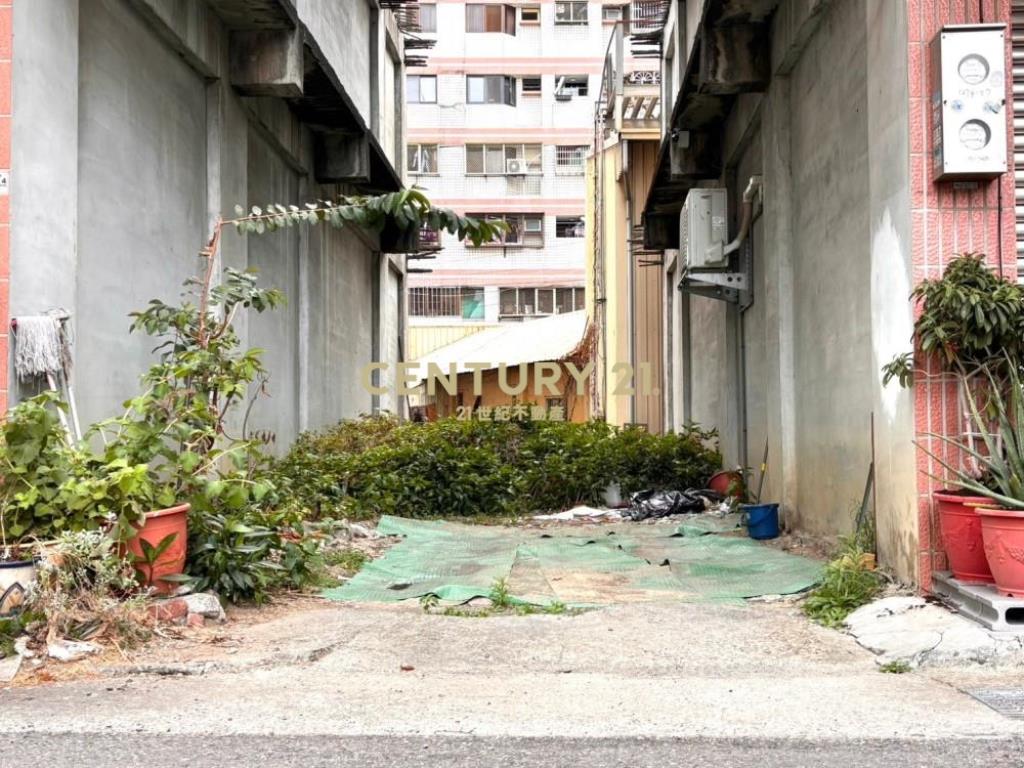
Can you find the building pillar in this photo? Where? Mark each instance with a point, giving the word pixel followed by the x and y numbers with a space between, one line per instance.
pixel 946 220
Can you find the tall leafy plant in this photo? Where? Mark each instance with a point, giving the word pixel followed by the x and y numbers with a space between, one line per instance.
pixel 970 317
pixel 190 422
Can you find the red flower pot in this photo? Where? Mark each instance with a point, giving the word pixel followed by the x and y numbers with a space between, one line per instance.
pixel 960 527
pixel 1003 533
pixel 158 526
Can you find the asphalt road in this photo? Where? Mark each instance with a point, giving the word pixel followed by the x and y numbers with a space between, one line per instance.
pixel 216 751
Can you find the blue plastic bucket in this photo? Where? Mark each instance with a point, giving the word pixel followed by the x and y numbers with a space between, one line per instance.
pixel 762 520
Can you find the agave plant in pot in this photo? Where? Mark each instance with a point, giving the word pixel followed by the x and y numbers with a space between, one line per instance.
pixel 1000 423
pixel 970 330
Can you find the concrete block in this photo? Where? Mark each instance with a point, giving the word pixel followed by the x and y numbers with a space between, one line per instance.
pixel 981 603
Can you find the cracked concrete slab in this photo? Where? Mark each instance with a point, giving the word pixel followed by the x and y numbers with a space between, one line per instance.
pixel 919 633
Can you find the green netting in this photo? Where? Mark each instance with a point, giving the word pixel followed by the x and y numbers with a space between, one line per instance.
pixel 594 565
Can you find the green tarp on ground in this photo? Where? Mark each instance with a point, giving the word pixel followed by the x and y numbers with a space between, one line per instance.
pixel 589 565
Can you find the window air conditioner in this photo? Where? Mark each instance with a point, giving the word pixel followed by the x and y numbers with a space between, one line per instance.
pixel 703 229
pixel 534 225
pixel 515 167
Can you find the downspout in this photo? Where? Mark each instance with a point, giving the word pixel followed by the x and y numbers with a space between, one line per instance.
pixel 630 275
pixel 749 194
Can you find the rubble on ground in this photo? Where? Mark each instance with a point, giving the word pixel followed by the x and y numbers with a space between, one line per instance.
pixel 913 631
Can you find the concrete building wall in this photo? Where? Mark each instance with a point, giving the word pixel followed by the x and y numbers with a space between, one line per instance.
pixel 132 86
pixel 138 139
pixel 833 366
pixel 276 256
pixel 6 106
pixel 799 367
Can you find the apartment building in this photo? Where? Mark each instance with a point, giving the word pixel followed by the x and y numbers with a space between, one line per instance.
pixel 500 121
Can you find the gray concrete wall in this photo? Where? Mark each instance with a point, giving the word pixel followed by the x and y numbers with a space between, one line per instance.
pixel 45 75
pixel 830 277
pixel 142 193
pixel 891 279
pixel 833 364
pixel 276 256
pixel 133 135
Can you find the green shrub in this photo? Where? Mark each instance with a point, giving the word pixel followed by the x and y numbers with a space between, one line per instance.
pixel 453 468
pixel 850 581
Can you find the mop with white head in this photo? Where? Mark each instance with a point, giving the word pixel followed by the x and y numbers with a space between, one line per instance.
pixel 39 348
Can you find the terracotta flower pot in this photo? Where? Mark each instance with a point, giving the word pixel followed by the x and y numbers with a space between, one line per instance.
pixel 960 527
pixel 157 527
pixel 1003 533
pixel 16 576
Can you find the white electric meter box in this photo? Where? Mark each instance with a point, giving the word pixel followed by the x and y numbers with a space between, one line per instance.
pixel 968 102
pixel 703 228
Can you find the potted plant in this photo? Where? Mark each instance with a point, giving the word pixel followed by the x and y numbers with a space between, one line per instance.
pixel 971 329
pixel 1002 510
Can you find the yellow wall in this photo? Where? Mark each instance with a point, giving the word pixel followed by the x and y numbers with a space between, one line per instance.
pixel 576 407
pixel 612 318
pixel 424 339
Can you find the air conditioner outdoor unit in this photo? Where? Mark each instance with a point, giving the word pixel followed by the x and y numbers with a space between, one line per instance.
pixel 515 167
pixel 703 229
pixel 563 96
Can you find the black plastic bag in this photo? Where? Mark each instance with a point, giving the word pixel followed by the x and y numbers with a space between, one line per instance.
pixel 644 505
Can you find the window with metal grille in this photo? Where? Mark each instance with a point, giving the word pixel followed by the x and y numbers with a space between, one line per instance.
pixel 462 301
pixel 569 159
pixel 573 12
pixel 503 159
pixel 569 226
pixel 485 17
pixel 490 89
pixel 517 303
pixel 524 229
pixel 567 86
pixel 427 18
pixel 421 89
pixel 422 158
pixel 531 86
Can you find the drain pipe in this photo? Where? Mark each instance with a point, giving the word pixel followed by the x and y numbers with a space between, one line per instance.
pixel 749 195
pixel 753 187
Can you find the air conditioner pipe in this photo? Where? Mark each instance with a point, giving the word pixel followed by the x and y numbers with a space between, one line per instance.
pixel 753 186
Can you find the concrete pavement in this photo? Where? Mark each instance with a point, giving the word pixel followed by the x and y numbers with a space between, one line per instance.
pixel 717 676
pixel 118 751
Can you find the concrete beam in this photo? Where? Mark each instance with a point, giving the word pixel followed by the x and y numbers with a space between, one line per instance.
pixel 342 158
pixel 661 231
pixel 735 59
pixel 267 62
pixel 695 155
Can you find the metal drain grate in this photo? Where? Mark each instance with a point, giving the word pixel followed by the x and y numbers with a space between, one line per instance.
pixel 1008 702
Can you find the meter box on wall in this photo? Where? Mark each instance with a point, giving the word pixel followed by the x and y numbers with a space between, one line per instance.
pixel 968 83
pixel 703 228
